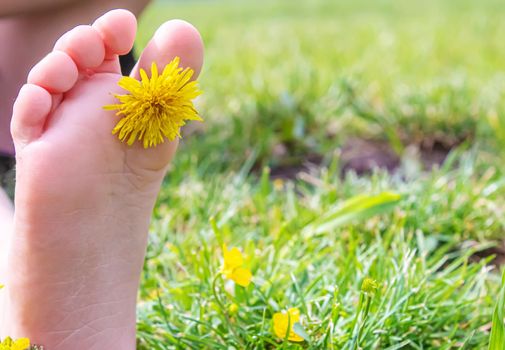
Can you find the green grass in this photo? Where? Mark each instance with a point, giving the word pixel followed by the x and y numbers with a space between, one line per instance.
pixel 306 77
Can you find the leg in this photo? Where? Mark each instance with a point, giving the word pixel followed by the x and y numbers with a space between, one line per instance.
pixel 20 7
pixel 83 198
pixel 6 210
pixel 6 223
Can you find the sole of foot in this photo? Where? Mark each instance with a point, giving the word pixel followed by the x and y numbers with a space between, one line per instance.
pixel 83 198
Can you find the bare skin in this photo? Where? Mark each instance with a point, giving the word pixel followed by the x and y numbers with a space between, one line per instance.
pixel 6 222
pixel 6 208
pixel 83 198
pixel 28 30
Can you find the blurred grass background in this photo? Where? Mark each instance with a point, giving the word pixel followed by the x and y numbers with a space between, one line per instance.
pixel 304 102
pixel 308 75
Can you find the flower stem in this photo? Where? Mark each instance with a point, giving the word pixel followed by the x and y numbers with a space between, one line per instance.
pixel 214 291
pixel 225 311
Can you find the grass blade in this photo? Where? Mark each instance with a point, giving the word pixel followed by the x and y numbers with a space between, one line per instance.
pixel 497 337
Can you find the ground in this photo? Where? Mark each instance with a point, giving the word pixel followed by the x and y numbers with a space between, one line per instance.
pixel 342 140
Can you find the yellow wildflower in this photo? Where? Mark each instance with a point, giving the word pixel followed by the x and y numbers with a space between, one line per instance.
pixel 233 309
pixel 20 344
pixel 156 107
pixel 283 323
pixel 233 269
pixel 369 286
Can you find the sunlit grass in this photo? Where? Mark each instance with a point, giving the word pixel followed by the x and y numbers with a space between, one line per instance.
pixel 303 77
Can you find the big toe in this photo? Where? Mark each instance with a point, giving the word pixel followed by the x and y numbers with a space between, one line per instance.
pixel 175 38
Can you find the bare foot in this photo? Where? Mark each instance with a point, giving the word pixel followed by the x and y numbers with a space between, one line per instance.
pixel 83 198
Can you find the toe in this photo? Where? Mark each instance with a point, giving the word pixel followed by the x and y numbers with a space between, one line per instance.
pixel 30 111
pixel 56 72
pixel 84 45
pixel 173 38
pixel 117 29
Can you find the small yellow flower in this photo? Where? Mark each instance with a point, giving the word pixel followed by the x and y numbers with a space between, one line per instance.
pixel 156 107
pixel 233 309
pixel 20 344
pixel 369 286
pixel 233 269
pixel 283 323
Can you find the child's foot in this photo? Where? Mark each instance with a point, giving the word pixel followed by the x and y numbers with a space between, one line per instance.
pixel 83 198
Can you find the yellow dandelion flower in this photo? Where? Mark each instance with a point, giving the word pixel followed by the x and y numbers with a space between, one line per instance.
pixel 19 344
pixel 157 107
pixel 284 323
pixel 233 269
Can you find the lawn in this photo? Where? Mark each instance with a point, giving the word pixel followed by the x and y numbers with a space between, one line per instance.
pixel 352 151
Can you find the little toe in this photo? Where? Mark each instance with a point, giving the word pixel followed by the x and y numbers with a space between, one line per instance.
pixel 30 112
pixel 84 45
pixel 57 72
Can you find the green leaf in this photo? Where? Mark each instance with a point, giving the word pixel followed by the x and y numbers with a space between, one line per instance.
pixel 361 207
